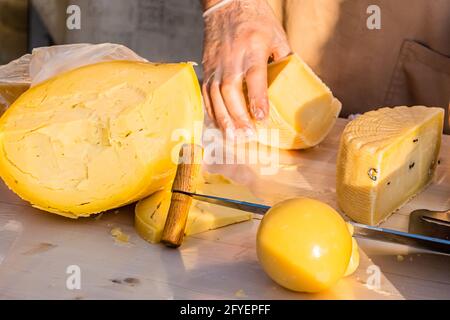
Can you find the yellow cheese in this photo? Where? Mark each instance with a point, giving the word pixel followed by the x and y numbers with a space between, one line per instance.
pixel 206 216
pixel 302 107
pixel 304 245
pixel 353 264
pixel 151 212
pixel 119 236
pixel 99 136
pixel 385 158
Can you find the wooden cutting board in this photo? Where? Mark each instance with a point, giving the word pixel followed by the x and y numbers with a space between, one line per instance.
pixel 219 264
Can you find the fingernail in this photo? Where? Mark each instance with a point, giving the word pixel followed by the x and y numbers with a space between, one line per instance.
pixel 258 113
pixel 263 123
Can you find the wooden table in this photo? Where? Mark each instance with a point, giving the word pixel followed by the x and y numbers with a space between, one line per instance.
pixel 36 248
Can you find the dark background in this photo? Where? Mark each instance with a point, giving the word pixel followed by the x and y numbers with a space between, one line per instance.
pixel 158 30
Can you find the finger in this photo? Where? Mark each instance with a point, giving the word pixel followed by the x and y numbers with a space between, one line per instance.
pixel 210 69
pixel 256 81
pixel 221 116
pixel 207 100
pixel 233 96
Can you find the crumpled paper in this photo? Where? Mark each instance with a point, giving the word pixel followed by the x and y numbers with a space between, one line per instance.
pixel 45 62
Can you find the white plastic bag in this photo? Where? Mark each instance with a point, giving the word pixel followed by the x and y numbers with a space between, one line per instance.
pixel 14 80
pixel 46 62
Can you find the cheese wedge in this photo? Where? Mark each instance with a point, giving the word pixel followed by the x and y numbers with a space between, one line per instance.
pixel 302 108
pixel 98 137
pixel 151 212
pixel 385 158
pixel 209 216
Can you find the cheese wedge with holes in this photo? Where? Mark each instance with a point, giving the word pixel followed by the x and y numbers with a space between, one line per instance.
pixel 98 137
pixel 385 158
pixel 151 212
pixel 302 108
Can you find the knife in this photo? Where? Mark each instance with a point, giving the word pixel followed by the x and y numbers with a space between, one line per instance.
pixel 360 230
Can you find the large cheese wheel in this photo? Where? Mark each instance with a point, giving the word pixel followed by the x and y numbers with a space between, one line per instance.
pixel 99 136
pixel 302 108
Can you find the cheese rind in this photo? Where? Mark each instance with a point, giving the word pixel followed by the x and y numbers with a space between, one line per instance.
pixel 302 107
pixel 304 245
pixel 98 137
pixel 151 212
pixel 353 264
pixel 385 158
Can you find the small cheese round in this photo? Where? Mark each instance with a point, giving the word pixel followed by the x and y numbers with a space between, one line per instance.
pixel 304 245
pixel 354 259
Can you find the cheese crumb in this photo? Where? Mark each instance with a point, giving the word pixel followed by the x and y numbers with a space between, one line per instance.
pixel 240 294
pixel 119 236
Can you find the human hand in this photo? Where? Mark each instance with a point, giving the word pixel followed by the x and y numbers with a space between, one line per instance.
pixel 239 39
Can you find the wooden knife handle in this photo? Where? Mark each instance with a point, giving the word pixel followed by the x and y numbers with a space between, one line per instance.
pixel 185 180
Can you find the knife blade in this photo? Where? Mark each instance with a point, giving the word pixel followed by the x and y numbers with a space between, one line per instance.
pixel 360 230
pixel 230 203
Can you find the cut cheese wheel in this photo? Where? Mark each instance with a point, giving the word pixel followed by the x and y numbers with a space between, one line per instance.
pixel 99 136
pixel 302 108
pixel 151 212
pixel 385 158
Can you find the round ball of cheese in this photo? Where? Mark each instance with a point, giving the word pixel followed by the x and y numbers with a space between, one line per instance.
pixel 304 245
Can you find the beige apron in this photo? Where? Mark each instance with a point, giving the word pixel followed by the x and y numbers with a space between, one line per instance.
pixel 405 62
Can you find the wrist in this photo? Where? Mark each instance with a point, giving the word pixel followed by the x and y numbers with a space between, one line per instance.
pixel 207 4
pixel 218 4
